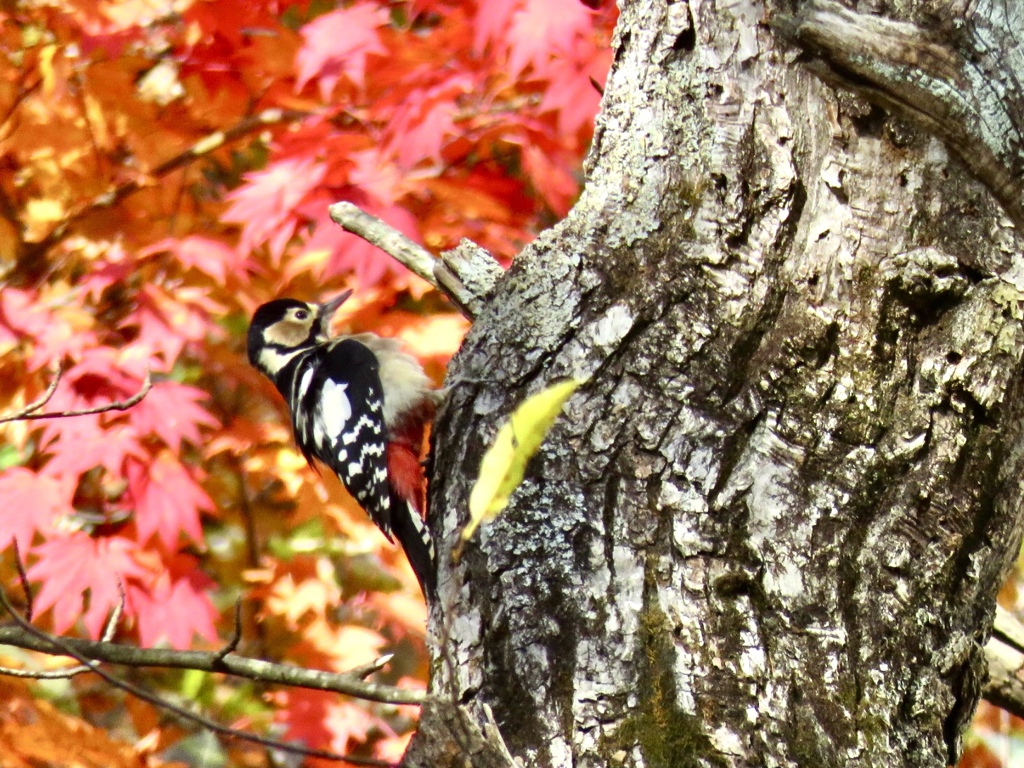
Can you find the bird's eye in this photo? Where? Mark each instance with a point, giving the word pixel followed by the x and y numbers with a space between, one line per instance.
pixel 301 314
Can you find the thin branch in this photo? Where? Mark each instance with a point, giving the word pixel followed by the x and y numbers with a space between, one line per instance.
pixel 117 405
pixel 376 665
pixel 1008 629
pixel 1004 688
pixel 347 683
pixel 218 139
pixel 58 674
pixel 44 674
pixel 35 405
pixel 64 646
pixel 252 547
pixel 236 635
pixel 415 257
pixel 204 146
pixel 15 103
pixel 464 293
pixel 23 577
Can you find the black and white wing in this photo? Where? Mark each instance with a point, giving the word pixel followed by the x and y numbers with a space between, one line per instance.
pixel 345 429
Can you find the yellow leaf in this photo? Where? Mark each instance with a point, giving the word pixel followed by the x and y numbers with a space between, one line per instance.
pixel 290 468
pixel 41 214
pixel 97 121
pixel 46 68
pixel 311 260
pixel 504 464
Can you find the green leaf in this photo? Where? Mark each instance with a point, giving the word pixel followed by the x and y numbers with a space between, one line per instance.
pixel 10 456
pixel 192 681
pixel 301 540
pixel 504 465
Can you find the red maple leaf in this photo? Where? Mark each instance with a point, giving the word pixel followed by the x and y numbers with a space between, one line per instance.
pixel 492 20
pixel 320 719
pixel 550 177
pixel 337 44
pixel 376 175
pixel 23 313
pixel 423 122
pixel 542 29
pixel 31 503
pixel 110 269
pixel 209 256
pixel 100 376
pixel 81 443
pixel 264 204
pixel 166 322
pixel 227 23
pixel 167 500
pixel 571 93
pixel 173 413
pixel 27 318
pixel 72 565
pixel 175 607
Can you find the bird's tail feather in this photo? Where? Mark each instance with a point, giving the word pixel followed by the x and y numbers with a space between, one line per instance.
pixel 412 533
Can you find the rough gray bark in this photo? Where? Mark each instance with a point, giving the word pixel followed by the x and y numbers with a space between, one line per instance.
pixel 770 528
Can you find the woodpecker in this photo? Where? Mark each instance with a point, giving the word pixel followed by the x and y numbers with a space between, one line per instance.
pixel 360 405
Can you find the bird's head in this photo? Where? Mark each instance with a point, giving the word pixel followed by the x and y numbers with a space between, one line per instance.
pixel 282 326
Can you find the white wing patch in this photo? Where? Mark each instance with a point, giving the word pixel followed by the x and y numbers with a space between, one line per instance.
pixel 334 409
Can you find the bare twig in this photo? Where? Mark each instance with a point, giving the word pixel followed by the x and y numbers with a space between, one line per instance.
pixel 64 647
pixel 117 405
pixel 1008 629
pixel 236 635
pixel 348 683
pixel 44 674
pixel 23 577
pixel 1004 688
pixel 376 665
pixel 437 272
pixel 15 103
pixel 109 629
pixel 354 219
pixel 35 405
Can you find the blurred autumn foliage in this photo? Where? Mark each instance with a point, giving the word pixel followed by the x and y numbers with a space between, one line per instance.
pixel 996 738
pixel 166 167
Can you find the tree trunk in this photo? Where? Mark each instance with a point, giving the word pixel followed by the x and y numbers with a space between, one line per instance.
pixel 770 527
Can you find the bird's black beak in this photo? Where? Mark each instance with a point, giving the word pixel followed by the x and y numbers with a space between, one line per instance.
pixel 328 308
